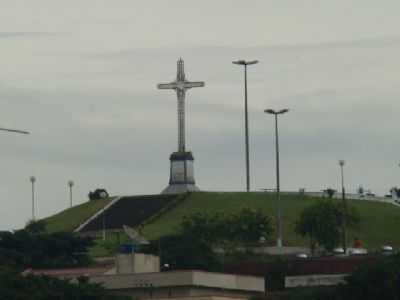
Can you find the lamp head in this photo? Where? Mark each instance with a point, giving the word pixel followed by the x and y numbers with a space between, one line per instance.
pixel 70 183
pixel 341 162
pixel 239 62
pixel 252 62
pixel 274 112
pixel 270 111
pixel 32 179
pixel 245 63
pixel 282 111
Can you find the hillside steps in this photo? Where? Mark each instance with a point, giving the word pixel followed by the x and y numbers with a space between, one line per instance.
pixel 170 206
pixel 98 213
pixel 132 211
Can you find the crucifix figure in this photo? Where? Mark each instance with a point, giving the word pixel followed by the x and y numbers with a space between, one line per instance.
pixel 180 85
pixel 181 171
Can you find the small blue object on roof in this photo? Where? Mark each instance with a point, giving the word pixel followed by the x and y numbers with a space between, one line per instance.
pixel 127 248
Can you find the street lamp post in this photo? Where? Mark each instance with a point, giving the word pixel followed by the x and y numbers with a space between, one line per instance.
pixel 278 196
pixel 70 185
pixel 33 180
pixel 344 203
pixel 246 123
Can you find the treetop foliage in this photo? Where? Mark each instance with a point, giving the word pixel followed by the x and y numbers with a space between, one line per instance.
pixel 321 222
pixel 377 280
pixel 201 233
pixel 245 226
pixel 34 248
pixel 14 286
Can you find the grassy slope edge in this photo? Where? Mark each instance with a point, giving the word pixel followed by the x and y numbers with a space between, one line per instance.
pixel 71 218
pixel 379 221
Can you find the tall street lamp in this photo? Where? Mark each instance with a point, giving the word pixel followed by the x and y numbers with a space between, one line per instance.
pixel 344 234
pixel 32 177
pixel 14 130
pixel 33 180
pixel 246 124
pixel 70 185
pixel 278 197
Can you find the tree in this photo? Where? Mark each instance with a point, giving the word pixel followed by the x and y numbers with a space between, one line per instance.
pixel 36 227
pixel 245 226
pixel 200 233
pixel 14 286
pixel 187 252
pixel 98 194
pixel 360 190
pixel 249 225
pixel 321 222
pixel 379 280
pixel 331 192
pixel 31 247
pixel 395 191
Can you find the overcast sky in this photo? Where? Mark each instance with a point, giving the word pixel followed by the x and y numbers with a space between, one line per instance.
pixel 82 75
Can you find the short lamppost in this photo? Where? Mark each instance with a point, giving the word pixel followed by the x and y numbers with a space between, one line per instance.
pixel 70 185
pixel 344 213
pixel 246 123
pixel 276 113
pixel 33 180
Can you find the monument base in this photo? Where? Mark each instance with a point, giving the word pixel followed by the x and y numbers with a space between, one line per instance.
pixel 181 179
pixel 180 188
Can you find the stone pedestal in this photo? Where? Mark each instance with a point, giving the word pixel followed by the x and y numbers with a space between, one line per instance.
pixel 181 178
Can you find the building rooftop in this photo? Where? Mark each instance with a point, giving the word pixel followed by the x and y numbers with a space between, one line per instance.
pixel 182 279
pixel 70 272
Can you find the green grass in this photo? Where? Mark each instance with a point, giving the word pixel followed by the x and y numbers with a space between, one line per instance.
pixel 379 221
pixel 71 218
pixel 108 247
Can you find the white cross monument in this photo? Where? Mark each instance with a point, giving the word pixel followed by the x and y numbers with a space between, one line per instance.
pixel 181 171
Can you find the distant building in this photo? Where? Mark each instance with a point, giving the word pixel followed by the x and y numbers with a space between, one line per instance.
pixel 182 284
pixel 138 276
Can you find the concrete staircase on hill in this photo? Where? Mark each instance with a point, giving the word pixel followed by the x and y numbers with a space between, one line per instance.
pixel 97 214
pixel 132 211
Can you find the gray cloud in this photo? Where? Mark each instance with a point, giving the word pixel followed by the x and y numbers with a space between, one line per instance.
pixel 90 100
pixel 11 35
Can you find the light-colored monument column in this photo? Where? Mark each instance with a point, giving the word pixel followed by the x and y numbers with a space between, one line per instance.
pixel 181 171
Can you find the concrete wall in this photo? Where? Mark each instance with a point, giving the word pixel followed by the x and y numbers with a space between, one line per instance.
pixel 144 263
pixel 153 293
pixel 183 292
pixel 180 279
pixel 203 298
pixel 136 263
pixel 126 281
pixel 229 281
pixel 314 280
pixel 351 196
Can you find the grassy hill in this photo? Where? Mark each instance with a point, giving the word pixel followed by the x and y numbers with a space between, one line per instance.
pixel 379 221
pixel 71 218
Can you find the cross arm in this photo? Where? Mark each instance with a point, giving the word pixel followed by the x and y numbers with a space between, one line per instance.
pixel 193 84
pixel 165 86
